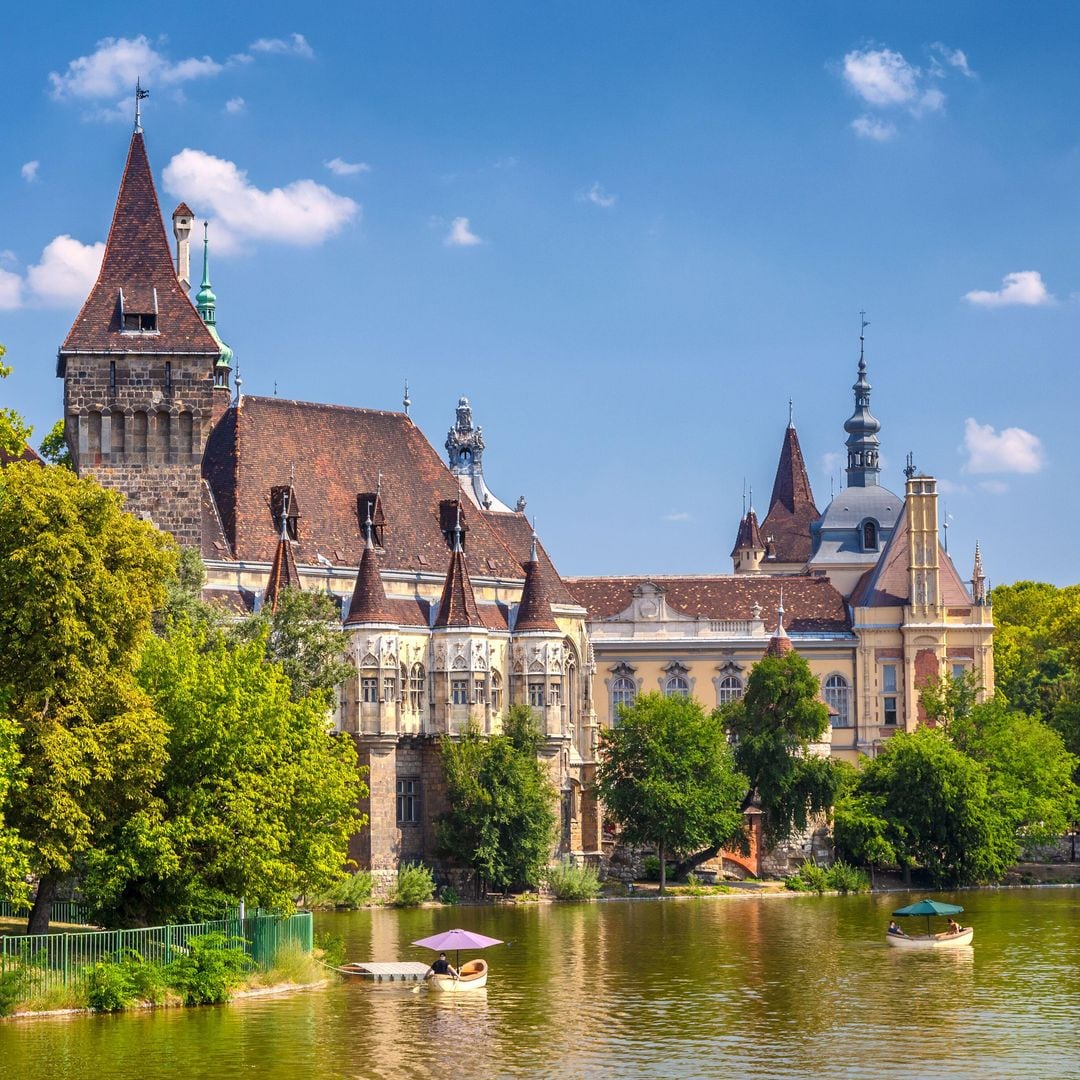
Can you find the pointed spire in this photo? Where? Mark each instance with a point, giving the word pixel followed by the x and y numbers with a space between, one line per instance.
pixel 978 579
pixel 368 604
pixel 780 644
pixel 748 537
pixel 457 608
pixel 862 427
pixel 206 302
pixel 283 571
pixel 534 610
pixel 792 510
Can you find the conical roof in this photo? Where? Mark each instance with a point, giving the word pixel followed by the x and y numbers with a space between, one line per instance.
pixel 749 536
pixel 457 608
pixel 283 573
pixel 534 611
pixel 138 262
pixel 369 597
pixel 786 527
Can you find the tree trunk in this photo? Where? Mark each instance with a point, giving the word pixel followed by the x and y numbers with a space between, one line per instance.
pixel 41 912
pixel 663 869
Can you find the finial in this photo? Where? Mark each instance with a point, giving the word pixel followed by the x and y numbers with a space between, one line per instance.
pixel 744 496
pixel 292 475
pixel 790 413
pixel 406 401
pixel 909 468
pixel 863 324
pixel 780 615
pixel 751 498
pixel 140 94
pixel 532 552
pixel 378 485
pixel 457 529
pixel 368 541
pixel 285 514
pixel 945 526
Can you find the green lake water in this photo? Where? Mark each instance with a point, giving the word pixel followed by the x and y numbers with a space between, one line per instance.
pixel 742 986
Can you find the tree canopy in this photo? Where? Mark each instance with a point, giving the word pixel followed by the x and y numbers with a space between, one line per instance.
pixel 54 447
pixel 773 725
pixel 79 579
pixel 257 797
pixel 501 820
pixel 666 774
pixel 14 430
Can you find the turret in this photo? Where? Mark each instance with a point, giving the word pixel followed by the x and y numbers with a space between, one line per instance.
pixel 863 447
pixel 465 454
pixel 749 549
pixel 182 221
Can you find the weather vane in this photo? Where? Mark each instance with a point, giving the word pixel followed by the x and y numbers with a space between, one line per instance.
pixel 863 324
pixel 140 94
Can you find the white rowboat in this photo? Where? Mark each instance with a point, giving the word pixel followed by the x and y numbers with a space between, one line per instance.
pixel 472 976
pixel 931 941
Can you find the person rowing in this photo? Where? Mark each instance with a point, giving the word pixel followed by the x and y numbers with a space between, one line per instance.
pixel 442 966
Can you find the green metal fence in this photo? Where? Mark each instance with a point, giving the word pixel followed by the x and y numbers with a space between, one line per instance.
pixel 65 911
pixel 59 960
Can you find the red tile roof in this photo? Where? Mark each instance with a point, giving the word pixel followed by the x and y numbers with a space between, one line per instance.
pixel 183 210
pixel 534 609
pixel 748 535
pixel 791 508
pixel 458 604
pixel 811 604
pixel 369 597
pixel 28 454
pixel 333 453
pixel 138 261
pixel 516 532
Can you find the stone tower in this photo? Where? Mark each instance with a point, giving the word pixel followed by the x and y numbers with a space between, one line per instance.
pixel 138 368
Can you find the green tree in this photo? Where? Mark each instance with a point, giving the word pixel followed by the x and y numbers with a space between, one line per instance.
pixel 303 635
pixel 773 725
pixel 950 699
pixel 665 773
pixel 14 430
pixel 79 579
pixel 1031 772
pixel 258 797
pixel 501 820
pixel 922 802
pixel 54 447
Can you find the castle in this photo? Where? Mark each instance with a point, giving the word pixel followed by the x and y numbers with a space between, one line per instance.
pixel 451 608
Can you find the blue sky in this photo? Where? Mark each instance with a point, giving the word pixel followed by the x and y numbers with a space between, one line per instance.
pixel 628 231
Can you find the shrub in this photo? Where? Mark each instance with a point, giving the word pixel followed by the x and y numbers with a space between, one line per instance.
pixel 331 948
pixel 415 886
pixel 847 879
pixel 209 970
pixel 809 878
pixel 353 891
pixel 13 987
pixel 110 987
pixel 568 882
pixel 651 868
pixel 449 895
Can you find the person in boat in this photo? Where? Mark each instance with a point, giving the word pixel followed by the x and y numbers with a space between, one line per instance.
pixel 954 927
pixel 894 929
pixel 442 966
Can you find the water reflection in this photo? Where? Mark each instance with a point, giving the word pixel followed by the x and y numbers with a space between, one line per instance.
pixel 784 987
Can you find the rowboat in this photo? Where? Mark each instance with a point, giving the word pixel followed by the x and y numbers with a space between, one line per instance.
pixel 472 975
pixel 948 939
pixel 931 941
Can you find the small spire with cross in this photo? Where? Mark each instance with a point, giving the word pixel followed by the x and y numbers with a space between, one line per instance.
pixel 406 401
pixel 790 413
pixel 140 95
pixel 863 324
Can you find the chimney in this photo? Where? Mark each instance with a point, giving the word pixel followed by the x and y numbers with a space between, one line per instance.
pixel 182 221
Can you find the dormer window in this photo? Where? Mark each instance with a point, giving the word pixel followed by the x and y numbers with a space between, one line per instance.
pixel 136 323
pixel 870 536
pixel 138 311
pixel 285 511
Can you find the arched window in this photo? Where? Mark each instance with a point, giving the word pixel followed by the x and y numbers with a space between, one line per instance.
pixel 416 688
pixel 838 698
pixel 139 427
pixel 623 692
pixel 869 536
pixel 496 691
pixel 116 427
pixel 677 686
pixel 369 680
pixel 730 689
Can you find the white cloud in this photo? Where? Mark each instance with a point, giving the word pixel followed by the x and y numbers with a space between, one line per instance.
pixel 295 45
pixel 598 197
pixel 831 461
pixel 881 76
pixel 869 127
pixel 340 167
pixel 116 63
pixel 1024 287
pixel 1012 450
pixel 11 291
pixel 677 515
pixel 29 171
pixel 932 100
pixel 461 235
pixel 235 105
pixel 956 58
pixel 993 487
pixel 950 487
pixel 302 212
pixel 65 273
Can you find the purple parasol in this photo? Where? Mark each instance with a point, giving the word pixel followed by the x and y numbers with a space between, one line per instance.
pixel 457 940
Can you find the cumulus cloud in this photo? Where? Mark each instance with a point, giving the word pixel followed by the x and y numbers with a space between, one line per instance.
pixel 29 171
pixel 303 212
pixel 11 291
pixel 598 197
pixel 339 167
pixel 294 45
pixel 461 235
pixel 1012 450
pixel 116 63
pixel 66 271
pixel 955 58
pixel 235 105
pixel 1025 287
pixel 869 127
pixel 881 76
